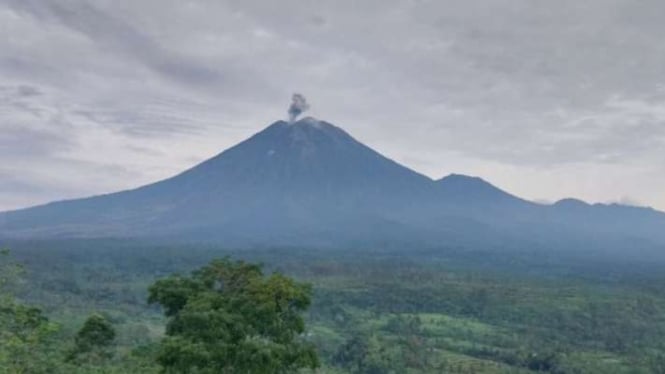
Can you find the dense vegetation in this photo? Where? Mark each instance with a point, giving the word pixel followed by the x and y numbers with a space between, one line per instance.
pixel 449 310
pixel 229 318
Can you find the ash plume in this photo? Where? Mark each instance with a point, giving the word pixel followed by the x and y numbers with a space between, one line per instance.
pixel 298 105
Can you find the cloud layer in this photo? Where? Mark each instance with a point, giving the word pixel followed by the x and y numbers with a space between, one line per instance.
pixel 546 100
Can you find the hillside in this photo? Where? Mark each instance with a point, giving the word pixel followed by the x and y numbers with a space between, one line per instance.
pixel 311 183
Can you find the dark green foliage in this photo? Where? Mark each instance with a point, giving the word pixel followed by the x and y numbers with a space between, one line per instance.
pixel 25 337
pixel 25 333
pixel 92 341
pixel 230 317
pixel 445 311
pixel 352 354
pixel 363 354
pixel 97 332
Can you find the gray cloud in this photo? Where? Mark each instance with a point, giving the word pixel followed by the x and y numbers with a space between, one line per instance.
pixel 17 142
pixel 113 33
pixel 546 99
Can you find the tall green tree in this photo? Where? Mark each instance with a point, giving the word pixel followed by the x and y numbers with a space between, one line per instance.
pixel 228 317
pixel 93 340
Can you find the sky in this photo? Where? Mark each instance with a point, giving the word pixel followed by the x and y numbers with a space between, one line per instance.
pixel 544 99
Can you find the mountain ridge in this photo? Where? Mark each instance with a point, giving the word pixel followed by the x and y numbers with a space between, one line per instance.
pixel 312 179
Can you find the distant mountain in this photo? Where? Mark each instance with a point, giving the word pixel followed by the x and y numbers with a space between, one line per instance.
pixel 311 183
pixel 604 219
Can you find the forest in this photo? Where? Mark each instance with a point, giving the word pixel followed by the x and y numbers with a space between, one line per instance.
pixel 111 306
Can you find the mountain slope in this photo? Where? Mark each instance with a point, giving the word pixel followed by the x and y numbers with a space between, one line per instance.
pixel 604 219
pixel 299 178
pixel 311 183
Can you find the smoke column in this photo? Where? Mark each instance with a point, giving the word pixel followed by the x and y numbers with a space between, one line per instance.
pixel 298 105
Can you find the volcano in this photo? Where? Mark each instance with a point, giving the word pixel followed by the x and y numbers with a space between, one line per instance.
pixel 311 183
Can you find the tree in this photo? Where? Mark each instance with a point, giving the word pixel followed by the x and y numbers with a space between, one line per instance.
pixel 228 317
pixel 25 334
pixel 365 354
pixel 92 341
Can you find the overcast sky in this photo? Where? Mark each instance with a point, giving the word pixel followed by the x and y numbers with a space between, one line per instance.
pixel 546 99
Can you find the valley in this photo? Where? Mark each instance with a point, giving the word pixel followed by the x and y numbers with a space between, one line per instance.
pixel 386 311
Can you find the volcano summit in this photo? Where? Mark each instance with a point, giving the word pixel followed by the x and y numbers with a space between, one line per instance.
pixel 311 183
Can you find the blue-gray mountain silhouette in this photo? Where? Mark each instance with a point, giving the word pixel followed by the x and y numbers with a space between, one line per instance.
pixel 311 183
